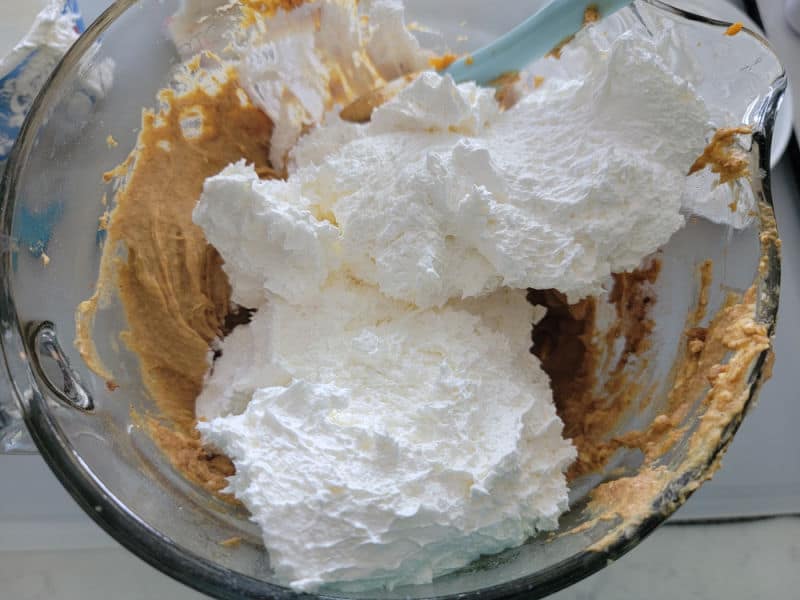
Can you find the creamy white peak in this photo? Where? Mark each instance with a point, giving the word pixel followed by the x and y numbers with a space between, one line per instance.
pixel 386 444
pixel 297 64
pixel 267 235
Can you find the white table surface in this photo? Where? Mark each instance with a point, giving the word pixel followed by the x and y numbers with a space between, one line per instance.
pixel 744 561
pixel 64 556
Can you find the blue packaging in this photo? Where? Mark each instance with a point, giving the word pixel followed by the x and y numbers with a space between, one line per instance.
pixel 33 61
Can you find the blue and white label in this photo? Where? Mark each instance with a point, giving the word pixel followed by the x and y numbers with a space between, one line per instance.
pixel 31 60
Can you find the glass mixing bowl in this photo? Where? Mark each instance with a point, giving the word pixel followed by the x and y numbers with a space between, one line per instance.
pixel 51 201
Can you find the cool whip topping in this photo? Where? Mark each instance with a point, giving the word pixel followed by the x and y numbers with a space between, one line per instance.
pixel 386 419
pixel 374 442
pixel 296 64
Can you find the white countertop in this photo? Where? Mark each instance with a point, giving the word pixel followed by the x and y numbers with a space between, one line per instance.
pixel 69 558
pixel 747 561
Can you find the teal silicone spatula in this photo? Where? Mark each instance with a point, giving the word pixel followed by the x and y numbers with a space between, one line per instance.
pixel 530 40
pixel 512 52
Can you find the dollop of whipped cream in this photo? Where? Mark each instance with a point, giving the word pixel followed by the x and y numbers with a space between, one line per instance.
pixel 387 421
pixel 444 196
pixel 377 443
pixel 296 65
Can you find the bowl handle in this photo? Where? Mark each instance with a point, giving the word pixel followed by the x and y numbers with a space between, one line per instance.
pixel 52 367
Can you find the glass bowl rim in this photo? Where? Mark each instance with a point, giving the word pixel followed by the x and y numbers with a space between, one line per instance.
pixel 208 577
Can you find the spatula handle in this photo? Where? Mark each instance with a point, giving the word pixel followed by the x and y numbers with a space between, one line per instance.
pixel 530 40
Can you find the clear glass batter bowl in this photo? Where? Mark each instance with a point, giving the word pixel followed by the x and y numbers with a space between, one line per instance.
pixel 51 201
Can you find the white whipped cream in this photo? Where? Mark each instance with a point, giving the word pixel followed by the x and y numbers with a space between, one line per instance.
pixel 268 225
pixel 386 419
pixel 296 65
pixel 203 25
pixel 443 196
pixel 378 443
